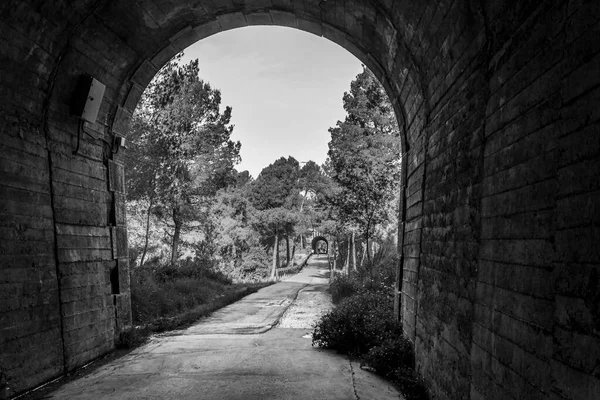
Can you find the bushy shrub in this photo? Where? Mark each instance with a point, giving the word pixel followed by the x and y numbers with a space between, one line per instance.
pixel 190 268
pixel 363 325
pixel 342 286
pixel 357 324
pixel 391 354
pixel 410 383
pixel 255 265
pixel 166 290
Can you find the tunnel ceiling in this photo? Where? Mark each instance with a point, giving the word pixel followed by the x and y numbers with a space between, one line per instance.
pixel 124 43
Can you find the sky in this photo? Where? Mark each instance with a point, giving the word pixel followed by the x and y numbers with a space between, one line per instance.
pixel 285 87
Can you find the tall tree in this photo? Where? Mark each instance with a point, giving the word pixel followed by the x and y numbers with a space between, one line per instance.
pixel 142 163
pixel 314 186
pixel 276 185
pixel 273 224
pixel 275 192
pixel 189 142
pixel 364 155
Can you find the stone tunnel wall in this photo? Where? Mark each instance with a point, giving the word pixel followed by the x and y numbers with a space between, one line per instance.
pixel 61 215
pixel 537 305
pixel 499 106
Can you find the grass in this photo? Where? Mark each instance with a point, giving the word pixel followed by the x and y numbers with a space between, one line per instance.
pixel 164 298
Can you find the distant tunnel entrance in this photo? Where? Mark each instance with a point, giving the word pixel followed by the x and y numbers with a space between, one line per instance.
pixel 320 245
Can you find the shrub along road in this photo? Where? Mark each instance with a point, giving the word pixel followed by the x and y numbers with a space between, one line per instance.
pixel 257 348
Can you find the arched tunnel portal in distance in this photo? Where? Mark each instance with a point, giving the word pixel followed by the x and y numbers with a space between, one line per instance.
pixel 498 107
pixel 315 243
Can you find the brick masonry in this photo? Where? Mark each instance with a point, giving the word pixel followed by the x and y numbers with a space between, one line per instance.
pixel 499 104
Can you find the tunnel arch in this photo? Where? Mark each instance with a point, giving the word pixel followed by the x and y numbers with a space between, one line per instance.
pixel 124 43
pixel 497 101
pixel 140 75
pixel 318 239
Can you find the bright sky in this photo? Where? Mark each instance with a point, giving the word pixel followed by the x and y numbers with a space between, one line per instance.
pixel 285 87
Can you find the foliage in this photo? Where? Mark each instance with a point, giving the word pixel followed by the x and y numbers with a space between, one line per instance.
pixel 410 383
pixel 182 148
pixel 160 304
pixel 275 221
pixel 380 274
pixel 189 269
pixel 227 226
pixel 166 291
pixel 276 185
pixel 362 324
pixel 364 156
pixel 357 324
pixel 255 265
pixel 342 286
pixel 390 355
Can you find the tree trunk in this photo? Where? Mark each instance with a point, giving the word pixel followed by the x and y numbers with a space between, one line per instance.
pixel 293 252
pixel 278 254
pixel 368 247
pixel 275 256
pixel 347 263
pixel 369 257
pixel 335 255
pixel 176 235
pixel 303 200
pixel 147 233
pixel 287 250
pixel 362 256
pixel 353 252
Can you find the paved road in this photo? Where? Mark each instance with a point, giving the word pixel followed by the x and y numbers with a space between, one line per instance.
pixel 257 348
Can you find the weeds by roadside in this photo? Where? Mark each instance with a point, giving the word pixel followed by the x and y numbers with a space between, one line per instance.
pixel 165 298
pixel 362 325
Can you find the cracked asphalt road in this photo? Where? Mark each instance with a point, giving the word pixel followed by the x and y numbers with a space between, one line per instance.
pixel 257 348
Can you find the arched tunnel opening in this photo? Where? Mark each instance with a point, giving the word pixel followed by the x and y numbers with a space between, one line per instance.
pixel 320 245
pixel 497 103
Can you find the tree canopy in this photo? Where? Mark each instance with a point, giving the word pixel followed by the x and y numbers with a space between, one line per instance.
pixel 182 147
pixel 364 155
pixel 276 185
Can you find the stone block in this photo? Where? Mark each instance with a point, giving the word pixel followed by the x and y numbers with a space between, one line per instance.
pixel 184 38
pixel 133 97
pixel 116 173
pixel 578 245
pixel 120 207
pixel 232 21
pixel 144 74
pixel 577 314
pixel 208 29
pixel 310 26
pixel 121 242
pixel 259 18
pixel 124 275
pixel 575 384
pixel 536 225
pixel 577 280
pixel 122 119
pixel 580 177
pixel 532 252
pixel 160 59
pixel 577 350
pixel 123 306
pixel 283 18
